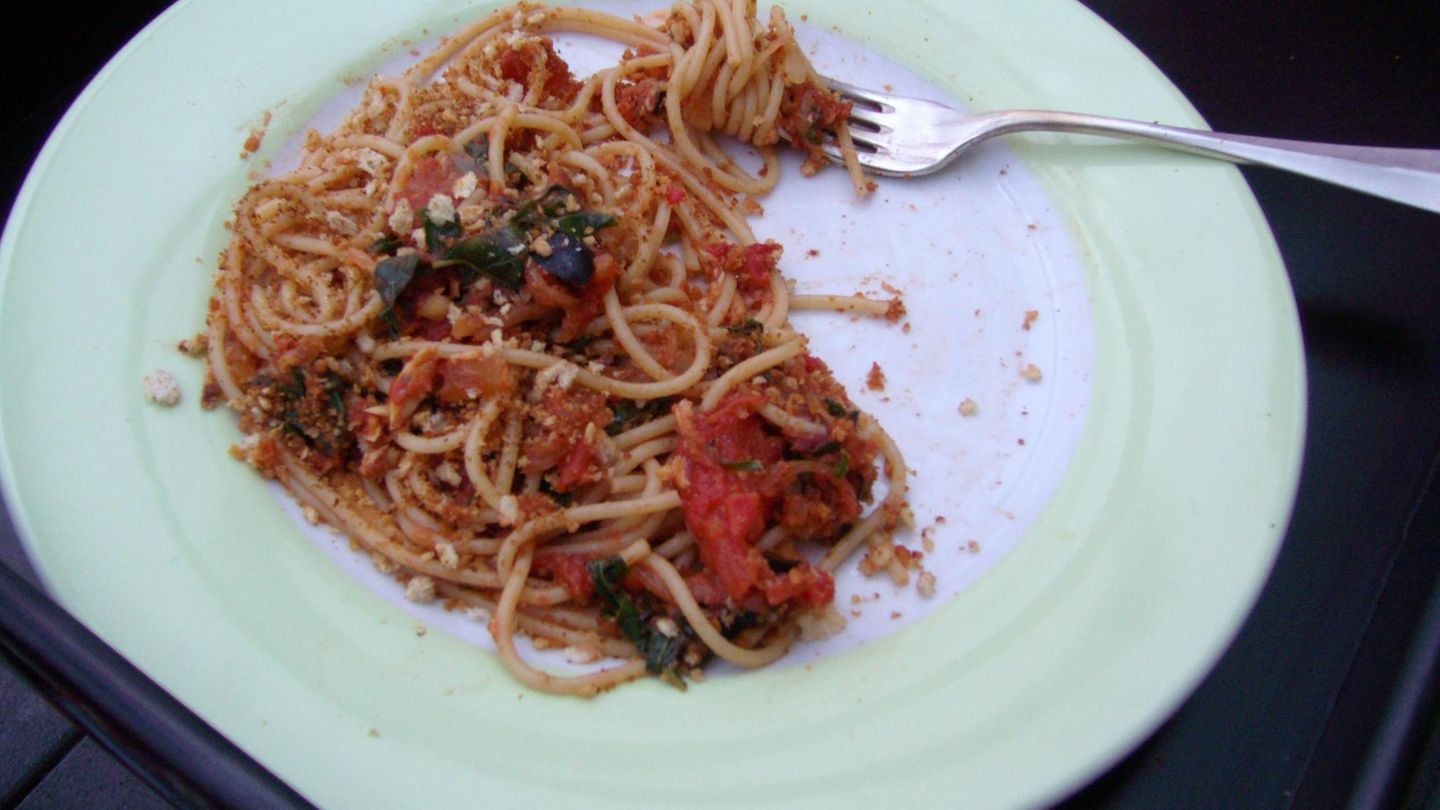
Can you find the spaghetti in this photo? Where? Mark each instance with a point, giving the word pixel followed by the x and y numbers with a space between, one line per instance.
pixel 510 332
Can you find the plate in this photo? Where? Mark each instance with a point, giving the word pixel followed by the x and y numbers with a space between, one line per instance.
pixel 1151 530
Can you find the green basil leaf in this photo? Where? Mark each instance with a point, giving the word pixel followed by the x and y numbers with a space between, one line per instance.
pixel 440 234
pixel 606 575
pixel 337 401
pixel 385 245
pixel 569 260
pixel 553 202
pixel 498 253
pixel 579 224
pixel 748 465
pixel 392 323
pixel 393 274
pixel 663 653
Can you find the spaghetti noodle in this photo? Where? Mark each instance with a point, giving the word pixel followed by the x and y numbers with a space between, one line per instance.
pixel 510 332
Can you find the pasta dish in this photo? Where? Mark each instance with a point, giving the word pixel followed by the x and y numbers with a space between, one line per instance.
pixel 510 331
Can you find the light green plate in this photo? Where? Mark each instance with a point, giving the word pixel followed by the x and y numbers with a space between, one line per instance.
pixel 1069 651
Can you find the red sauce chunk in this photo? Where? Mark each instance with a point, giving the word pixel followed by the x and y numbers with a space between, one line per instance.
pixel 751 265
pixel 727 502
pixel 535 61
pixel 431 176
pixel 560 440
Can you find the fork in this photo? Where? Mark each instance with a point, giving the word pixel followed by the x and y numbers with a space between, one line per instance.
pixel 902 136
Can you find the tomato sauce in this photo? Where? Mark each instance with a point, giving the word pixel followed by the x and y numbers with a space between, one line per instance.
pixel 728 500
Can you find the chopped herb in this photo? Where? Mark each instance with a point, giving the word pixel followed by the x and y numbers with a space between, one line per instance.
pixel 661 655
pixel 734 624
pixel 392 323
pixel 842 467
pixel 393 274
pixel 560 498
pixel 570 260
pixel 440 234
pixel 580 224
pixel 553 202
pixel 749 326
pixel 337 401
pixel 498 253
pixel 580 344
pixel 835 408
pixel 606 574
pixel 291 423
pixel 295 390
pixel 661 651
pixel 626 414
pixel 748 465
pixel 824 450
pixel 386 245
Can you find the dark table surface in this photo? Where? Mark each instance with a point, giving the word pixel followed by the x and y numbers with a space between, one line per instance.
pixel 1329 694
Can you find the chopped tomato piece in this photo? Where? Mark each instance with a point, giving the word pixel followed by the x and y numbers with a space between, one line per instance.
pixel 751 265
pixel 724 507
pixel 582 466
pixel 804 583
pixel 727 520
pixel 641 103
pixel 519 63
pixel 464 378
pixel 570 570
pixel 431 176
pixel 550 441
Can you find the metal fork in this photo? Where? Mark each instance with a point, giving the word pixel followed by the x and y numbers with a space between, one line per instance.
pixel 902 136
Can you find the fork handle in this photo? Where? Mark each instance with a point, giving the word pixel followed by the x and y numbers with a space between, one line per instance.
pixel 1410 176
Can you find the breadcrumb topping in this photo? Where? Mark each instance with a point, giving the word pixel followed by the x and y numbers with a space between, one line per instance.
pixel 161 388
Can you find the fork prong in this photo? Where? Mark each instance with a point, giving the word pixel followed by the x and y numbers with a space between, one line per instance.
pixel 859 96
pixel 877 122
pixel 873 126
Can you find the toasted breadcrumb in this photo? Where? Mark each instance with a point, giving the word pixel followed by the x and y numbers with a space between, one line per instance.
pixel 383 564
pixel 875 380
pixel 161 388
pixel 820 624
pixel 448 556
pixel 926 584
pixel 420 590
pixel 1031 372
pixel 582 654
pixel 969 407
